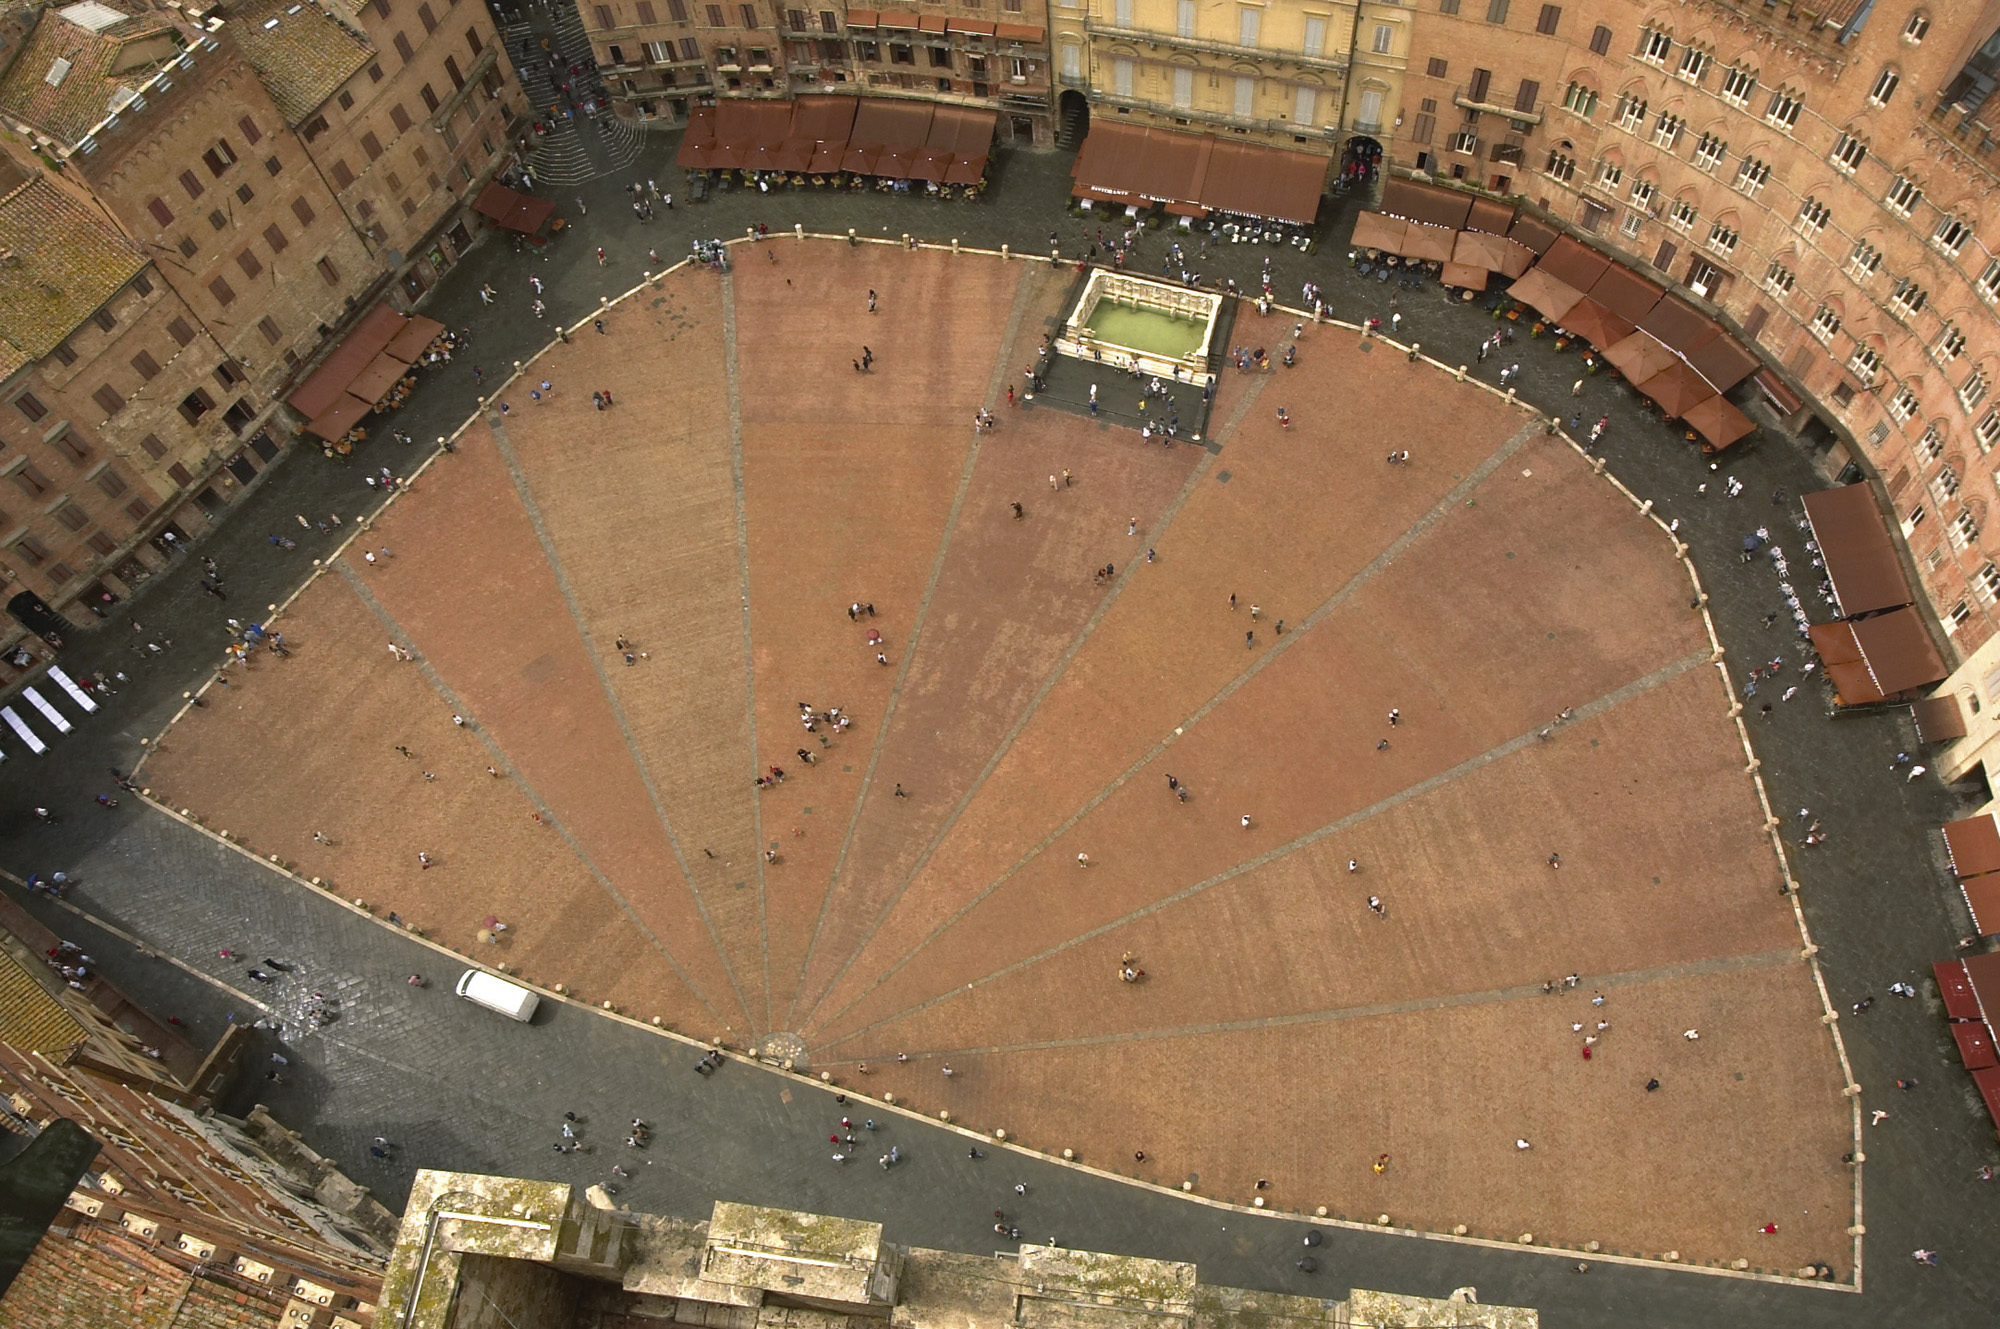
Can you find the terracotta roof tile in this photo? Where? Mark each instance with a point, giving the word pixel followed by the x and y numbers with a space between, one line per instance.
pixel 31 1019
pixel 59 261
pixel 63 82
pixel 302 57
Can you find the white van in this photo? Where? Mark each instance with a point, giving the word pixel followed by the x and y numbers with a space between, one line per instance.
pixel 497 994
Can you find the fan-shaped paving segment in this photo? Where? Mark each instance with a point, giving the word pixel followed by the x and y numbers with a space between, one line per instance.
pixel 750 484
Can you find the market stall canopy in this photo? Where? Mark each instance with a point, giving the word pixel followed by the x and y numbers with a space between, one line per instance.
pixel 1465 275
pixel 1576 264
pixel 1874 659
pixel 357 350
pixel 1535 234
pixel 697 139
pixel 1640 356
pixel 415 338
pixel 1973 844
pixel 1162 166
pixel 1551 295
pixel 1625 293
pixel 1939 719
pixel 1982 899
pixel 1477 249
pixel 1974 1039
pixel 1515 258
pixel 1987 1082
pixel 861 161
pixel 1421 202
pixel 1855 545
pixel 1955 991
pixel 1257 181
pixel 880 122
pixel 1596 324
pixel 827 158
pixel 1680 325
pixel 1433 244
pixel 1677 388
pixel 1774 388
pixel 511 209
pixel 931 164
pixel 1718 421
pixel 1723 362
pixel 1171 167
pixel 1982 973
pixel 1372 230
pixel 965 170
pixel 1489 215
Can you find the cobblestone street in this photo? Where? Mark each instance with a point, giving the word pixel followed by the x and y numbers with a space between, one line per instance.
pixel 455 1087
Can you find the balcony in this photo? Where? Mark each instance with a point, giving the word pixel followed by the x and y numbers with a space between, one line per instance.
pixel 1463 99
pixel 1098 28
pixel 1222 119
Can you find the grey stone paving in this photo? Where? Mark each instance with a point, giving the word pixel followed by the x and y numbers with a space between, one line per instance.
pixel 457 1087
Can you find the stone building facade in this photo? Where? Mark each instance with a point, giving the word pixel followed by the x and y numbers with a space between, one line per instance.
pixel 661 57
pixel 1320 75
pixel 1820 175
pixel 194 203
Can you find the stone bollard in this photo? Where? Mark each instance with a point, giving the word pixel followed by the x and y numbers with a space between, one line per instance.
pixel 888 1098
pixel 1852 1091
pixel 906 240
pixel 1187 1185
pixel 852 239
pixel 1510 392
pixel 1739 1265
pixel 1460 375
pixel 656 1022
pixel 1320 1212
pixel 559 989
pixel 1808 952
pixel 1831 1017
pixel 1381 1220
pixel 798 230
pixel 1415 347
pixel 1672 1257
pixel 999 1134
pixel 1055 257
pixel 954 244
pixel 1256 1202
pixel 1735 709
pixel 944 1114
pixel 826 1077
pixel 1857 1231
pixel 1680 550
pixel 1005 253
pixel 1069 1155
pixel 606 1006
pixel 1527 1238
pixel 1753 767
pixel 1459 1230
pixel 1592 1247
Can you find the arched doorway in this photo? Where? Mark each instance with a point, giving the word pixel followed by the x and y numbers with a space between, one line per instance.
pixel 1073 119
pixel 1360 160
pixel 34 614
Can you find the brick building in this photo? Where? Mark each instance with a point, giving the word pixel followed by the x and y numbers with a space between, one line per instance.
pixel 1322 76
pixel 660 57
pixel 1818 175
pixel 197 201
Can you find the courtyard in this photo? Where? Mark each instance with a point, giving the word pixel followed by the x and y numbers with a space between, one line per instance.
pixel 628 607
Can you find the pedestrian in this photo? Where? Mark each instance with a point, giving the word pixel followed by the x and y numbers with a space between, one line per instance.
pixel 1394 716
pixel 598 323
pixel 1576 388
pixel 871 301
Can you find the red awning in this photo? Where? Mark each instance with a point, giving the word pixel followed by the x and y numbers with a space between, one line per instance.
pixel 1718 421
pixel 1982 972
pixel 1465 275
pixel 1982 898
pixel 1626 294
pixel 1573 263
pixel 515 211
pixel 1677 388
pixel 1373 230
pixel 1535 234
pixel 1490 215
pixel 1432 244
pixel 1594 323
pixel 1955 991
pixel 931 23
pixel 1874 659
pixel 826 159
pixel 1939 719
pixel 971 25
pixel 1640 356
pixel 1431 204
pixel 374 382
pixel 931 164
pixel 1859 553
pixel 1551 295
pixel 346 412
pixel 861 18
pixel 1973 844
pixel 1781 396
pixel 861 161
pixel 414 339
pixel 896 18
pixel 1987 1082
pixel 1018 32
pixel 966 170
pixel 325 386
pixel 1975 1044
pixel 1723 362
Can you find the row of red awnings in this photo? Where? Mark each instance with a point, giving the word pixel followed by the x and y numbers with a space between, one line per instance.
pixel 367 363
pixel 909 21
pixel 1970 990
pixel 1665 347
pixel 1194 174
pixel 1881 647
pixel 821 135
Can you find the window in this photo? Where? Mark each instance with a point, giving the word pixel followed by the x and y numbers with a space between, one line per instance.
pixel 154 448
pixel 1722 237
pixel 1903 405
pixel 749 13
pixel 1246 96
pixel 1988 431
pixel 248 262
pixel 1931 446
pixel 1951 235
pixel 430 97
pixel 1908 299
pixel 145 365
pixel 1913 520
pixel 1973 390
pixel 1751 175
pixel 1654 47
pixel 1385 39
pixel 1464 142
pixel 72 517
pixel 1422 128
pixel 180 331
pixel 1825 323
pixel 1609 174
pixel 1121 76
pixel 1482 79
pixel 30 406
pixel 1496 11
pixel 1247 20
pixel 940 57
pixel 1849 153
pixel 1667 131
pixel 1951 344
pixel 221 290
pixel 1183 87
pixel 64 354
pixel 108 400
pixel 1551 18
pixel 400 117
pixel 218 219
pixel 1694 64
pixel 1562 167
pixel 1864 364
pixel 429 20
pixel 1737 85
pixel 1527 95
pixel 1447 6
pixel 1600 40
pixel 187 246
pixel 1682 215
pixel 714 12
pixel 142 285
pixel 403 49
pixel 303 211
pixel 195 405
pixel 1709 152
pixel 1915 30
pixel 691 49
pixel 1580 100
pixel 190 184
pixel 343 175
pixel 1986 585
pixel 375 73
pixel 1903 196
pixel 219 158
pixel 1864 262
pixel 162 214
pixel 33 483
pixel 1631 115
pixel 1813 217
pixel 1885 87
pixel 371 145
pixel 1643 192
pixel 32 551
pixel 1784 108
pixel 112 483
pixel 1780 279
pixel 1315 42
pixel 478 49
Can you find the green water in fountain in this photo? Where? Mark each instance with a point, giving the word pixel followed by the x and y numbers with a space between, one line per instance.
pixel 1151 330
